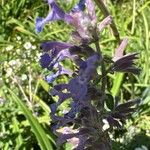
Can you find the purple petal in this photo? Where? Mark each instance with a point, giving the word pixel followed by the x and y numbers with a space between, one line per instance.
pixel 119 51
pixel 73 111
pixel 104 23
pixel 39 25
pixel 77 89
pixel 128 57
pixel 51 78
pixel 45 60
pixel 88 68
pixel 113 122
pixel 61 71
pixel 63 96
pixel 57 57
pixel 58 11
pixel 60 87
pixel 91 10
pixel 83 65
pixel 50 1
pixel 49 45
pixel 53 108
pixel 64 137
pixel 55 14
pixel 79 7
pixel 126 64
pixel 65 54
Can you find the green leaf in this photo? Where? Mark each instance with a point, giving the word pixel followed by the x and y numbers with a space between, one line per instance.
pixel 45 85
pixel 109 101
pixel 19 140
pixel 38 130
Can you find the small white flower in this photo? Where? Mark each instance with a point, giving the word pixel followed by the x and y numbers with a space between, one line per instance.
pixel 7 81
pixel 9 48
pixel 2 101
pixel 111 136
pixel 12 62
pixel 106 124
pixel 27 45
pixel 38 55
pixel 121 140
pixel 23 77
pixel 9 72
pixel 34 47
pixel 18 62
pixel 18 38
pixel 18 51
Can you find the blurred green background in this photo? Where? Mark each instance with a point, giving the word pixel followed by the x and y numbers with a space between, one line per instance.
pixel 24 97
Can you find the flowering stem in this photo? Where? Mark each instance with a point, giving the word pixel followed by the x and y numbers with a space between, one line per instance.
pixel 103 71
pixel 106 13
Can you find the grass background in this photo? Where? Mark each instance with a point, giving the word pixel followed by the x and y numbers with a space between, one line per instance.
pixel 24 98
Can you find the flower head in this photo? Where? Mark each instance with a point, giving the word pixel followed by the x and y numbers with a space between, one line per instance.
pixel 124 63
pixel 53 53
pixel 56 14
pixel 87 109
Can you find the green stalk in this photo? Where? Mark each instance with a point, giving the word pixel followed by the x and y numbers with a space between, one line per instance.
pixel 117 83
pixel 103 70
pixel 106 13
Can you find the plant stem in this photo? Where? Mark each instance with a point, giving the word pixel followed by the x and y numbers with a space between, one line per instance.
pixel 103 79
pixel 106 13
pixel 103 70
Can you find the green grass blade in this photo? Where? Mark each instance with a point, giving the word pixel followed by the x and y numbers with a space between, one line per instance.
pixel 45 85
pixel 117 83
pixel 39 132
pixel 147 65
pixel 133 15
pixel 19 140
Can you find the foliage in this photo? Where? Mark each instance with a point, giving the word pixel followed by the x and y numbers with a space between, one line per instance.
pixel 21 72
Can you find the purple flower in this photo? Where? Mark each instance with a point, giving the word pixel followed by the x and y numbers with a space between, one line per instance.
pixel 88 68
pixel 78 85
pixel 119 51
pixel 77 89
pixel 104 23
pixel 57 91
pixel 54 52
pixel 45 60
pixel 87 101
pixel 55 14
pixel 91 11
pixel 113 122
pixel 121 112
pixel 79 7
pixel 61 71
pixel 126 64
pixel 73 111
pixel 51 45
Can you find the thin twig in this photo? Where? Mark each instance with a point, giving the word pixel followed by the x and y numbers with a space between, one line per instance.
pixel 22 91
pixel 30 85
